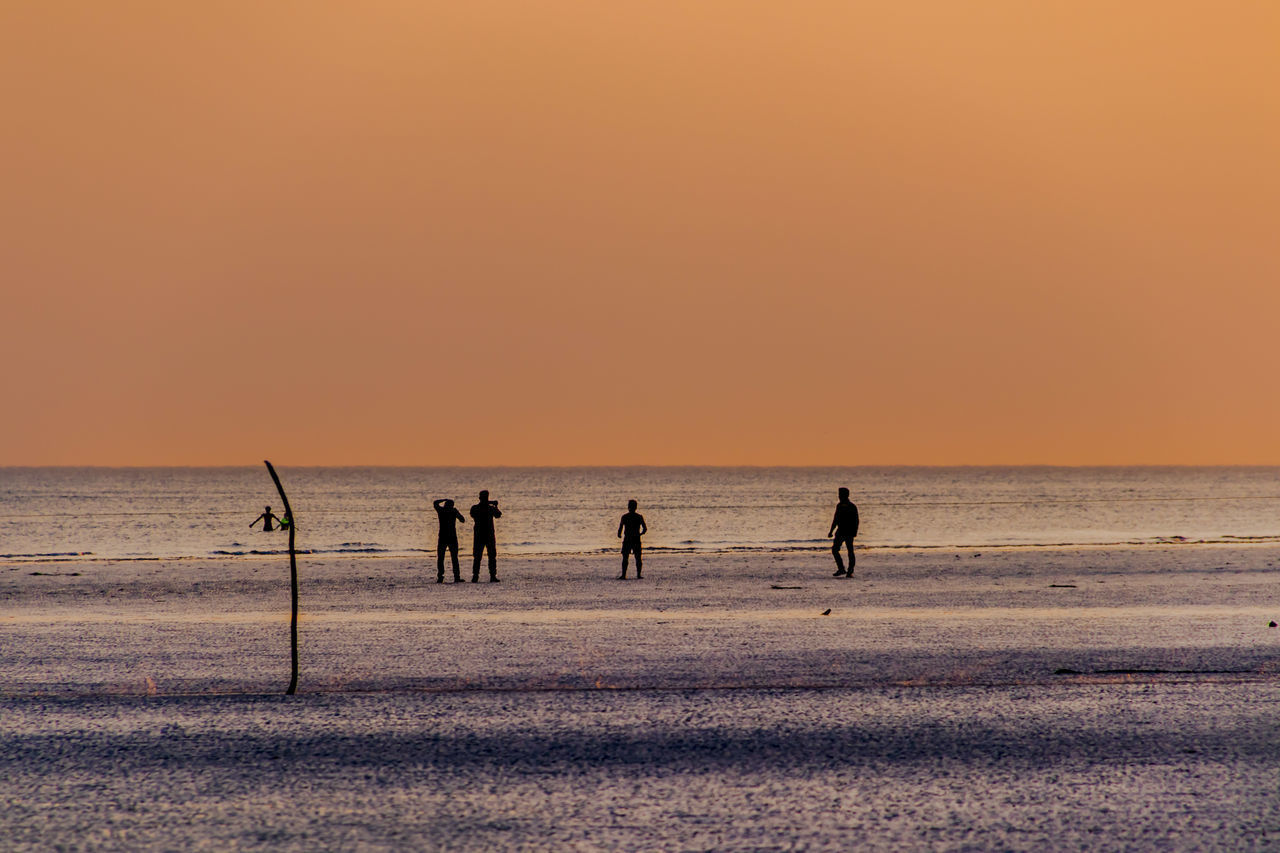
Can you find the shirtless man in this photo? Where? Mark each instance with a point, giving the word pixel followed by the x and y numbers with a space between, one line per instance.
pixel 266 518
pixel 633 525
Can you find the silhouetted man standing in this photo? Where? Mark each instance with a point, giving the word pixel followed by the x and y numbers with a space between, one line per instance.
pixel 844 527
pixel 482 515
pixel 633 525
pixel 448 538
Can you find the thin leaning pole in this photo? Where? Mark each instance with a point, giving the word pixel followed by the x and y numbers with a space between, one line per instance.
pixel 293 578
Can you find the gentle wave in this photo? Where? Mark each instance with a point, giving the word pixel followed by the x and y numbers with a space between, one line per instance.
pixel 268 552
pixel 50 555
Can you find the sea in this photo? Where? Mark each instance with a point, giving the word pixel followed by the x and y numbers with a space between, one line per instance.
pixel 71 514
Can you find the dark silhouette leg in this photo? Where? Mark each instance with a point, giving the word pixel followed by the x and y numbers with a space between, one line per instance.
pixel 453 552
pixel 476 549
pixel 847 542
pixel 629 548
pixel 440 546
pixel 492 545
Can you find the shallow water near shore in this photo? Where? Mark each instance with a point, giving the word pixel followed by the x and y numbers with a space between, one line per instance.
pixel 73 514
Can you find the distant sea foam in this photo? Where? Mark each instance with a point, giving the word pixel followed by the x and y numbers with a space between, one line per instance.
pixel 149 513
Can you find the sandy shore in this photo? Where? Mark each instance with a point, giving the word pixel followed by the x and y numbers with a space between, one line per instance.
pixel 1015 698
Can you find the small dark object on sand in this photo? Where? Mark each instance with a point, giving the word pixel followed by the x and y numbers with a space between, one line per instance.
pixel 1062 586
pixel 1066 671
pixel 827 612
pixel 1271 624
pixel 775 586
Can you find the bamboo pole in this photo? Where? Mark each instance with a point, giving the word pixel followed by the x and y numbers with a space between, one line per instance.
pixel 293 579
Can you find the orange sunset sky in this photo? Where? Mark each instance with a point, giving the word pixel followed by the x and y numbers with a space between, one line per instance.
pixel 712 232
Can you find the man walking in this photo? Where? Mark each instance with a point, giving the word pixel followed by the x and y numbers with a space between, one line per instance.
pixel 844 527
pixel 633 526
pixel 482 516
pixel 448 537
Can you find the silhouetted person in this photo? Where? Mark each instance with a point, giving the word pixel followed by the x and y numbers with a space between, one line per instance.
pixel 844 527
pixel 266 518
pixel 448 537
pixel 633 526
pixel 483 514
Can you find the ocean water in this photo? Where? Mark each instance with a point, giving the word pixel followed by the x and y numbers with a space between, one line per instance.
pixel 99 513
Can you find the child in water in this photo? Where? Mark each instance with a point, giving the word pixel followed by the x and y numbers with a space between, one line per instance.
pixel 266 518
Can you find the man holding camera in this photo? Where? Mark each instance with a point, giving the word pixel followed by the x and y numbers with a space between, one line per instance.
pixel 482 516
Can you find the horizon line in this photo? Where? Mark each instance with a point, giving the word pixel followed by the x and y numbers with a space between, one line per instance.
pixel 7 466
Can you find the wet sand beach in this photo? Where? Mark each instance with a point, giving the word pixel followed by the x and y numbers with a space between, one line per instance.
pixel 1103 698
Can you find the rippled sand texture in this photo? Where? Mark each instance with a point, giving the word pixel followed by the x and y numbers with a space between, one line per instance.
pixel 1093 698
